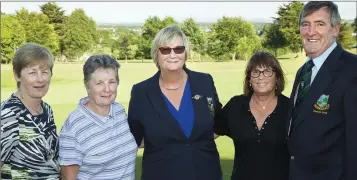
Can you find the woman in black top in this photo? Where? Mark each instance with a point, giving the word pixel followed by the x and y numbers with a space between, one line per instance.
pixel 256 121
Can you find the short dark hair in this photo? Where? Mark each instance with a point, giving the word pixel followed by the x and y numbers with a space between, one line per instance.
pixel 97 62
pixel 262 58
pixel 313 6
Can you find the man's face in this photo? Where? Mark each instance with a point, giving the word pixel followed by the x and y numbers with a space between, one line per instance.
pixel 317 33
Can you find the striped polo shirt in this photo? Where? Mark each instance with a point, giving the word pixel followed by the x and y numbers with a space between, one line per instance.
pixel 103 147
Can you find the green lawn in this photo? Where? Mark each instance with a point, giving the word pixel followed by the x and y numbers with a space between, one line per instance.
pixel 67 88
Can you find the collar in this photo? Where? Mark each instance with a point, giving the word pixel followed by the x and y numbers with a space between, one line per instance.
pixel 319 61
pixel 100 120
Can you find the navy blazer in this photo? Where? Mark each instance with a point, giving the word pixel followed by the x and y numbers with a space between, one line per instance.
pixel 323 138
pixel 168 153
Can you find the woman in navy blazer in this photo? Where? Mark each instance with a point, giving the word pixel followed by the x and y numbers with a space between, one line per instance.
pixel 172 112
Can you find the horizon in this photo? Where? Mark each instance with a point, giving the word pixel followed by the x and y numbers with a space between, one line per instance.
pixel 124 13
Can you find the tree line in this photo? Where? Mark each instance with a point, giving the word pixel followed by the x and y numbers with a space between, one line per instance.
pixel 71 37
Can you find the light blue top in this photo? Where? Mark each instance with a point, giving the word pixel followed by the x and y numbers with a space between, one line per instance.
pixel 103 147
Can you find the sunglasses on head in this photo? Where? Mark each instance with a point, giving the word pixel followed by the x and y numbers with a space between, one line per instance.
pixel 167 50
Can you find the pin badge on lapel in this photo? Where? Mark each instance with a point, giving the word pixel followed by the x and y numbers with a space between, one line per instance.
pixel 321 106
pixel 210 105
pixel 196 97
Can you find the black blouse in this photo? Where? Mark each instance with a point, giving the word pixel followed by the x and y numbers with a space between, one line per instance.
pixel 259 155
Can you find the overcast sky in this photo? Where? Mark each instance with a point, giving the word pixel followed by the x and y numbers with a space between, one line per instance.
pixel 137 12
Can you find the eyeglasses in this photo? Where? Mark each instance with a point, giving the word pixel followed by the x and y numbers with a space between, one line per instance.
pixel 167 50
pixel 266 73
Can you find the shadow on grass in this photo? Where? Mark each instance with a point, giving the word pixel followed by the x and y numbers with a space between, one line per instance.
pixel 226 165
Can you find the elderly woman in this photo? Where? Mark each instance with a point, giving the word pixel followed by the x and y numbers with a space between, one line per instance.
pixel 173 113
pixel 29 142
pixel 256 122
pixel 95 140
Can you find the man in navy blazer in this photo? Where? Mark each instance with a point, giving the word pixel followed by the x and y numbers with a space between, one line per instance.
pixel 322 128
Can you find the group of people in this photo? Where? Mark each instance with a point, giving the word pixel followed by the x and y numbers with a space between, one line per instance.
pixel 176 114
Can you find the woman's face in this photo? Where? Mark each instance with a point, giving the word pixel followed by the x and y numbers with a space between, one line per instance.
pixel 171 57
pixel 102 87
pixel 35 80
pixel 263 80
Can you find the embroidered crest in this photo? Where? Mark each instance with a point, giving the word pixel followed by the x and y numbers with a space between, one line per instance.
pixel 322 105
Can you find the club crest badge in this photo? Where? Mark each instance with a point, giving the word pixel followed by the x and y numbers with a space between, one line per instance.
pixel 210 105
pixel 321 106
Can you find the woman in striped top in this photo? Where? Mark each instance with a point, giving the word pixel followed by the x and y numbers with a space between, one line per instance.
pixel 29 142
pixel 95 140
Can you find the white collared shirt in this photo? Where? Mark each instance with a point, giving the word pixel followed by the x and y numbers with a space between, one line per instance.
pixel 319 61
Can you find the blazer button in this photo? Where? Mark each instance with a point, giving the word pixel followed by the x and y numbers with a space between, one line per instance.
pixel 292 157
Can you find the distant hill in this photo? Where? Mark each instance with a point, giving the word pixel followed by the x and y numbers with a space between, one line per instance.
pixel 205 25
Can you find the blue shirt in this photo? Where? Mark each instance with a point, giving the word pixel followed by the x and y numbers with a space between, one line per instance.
pixel 185 115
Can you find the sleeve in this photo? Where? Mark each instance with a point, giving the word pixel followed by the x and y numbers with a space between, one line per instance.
pixel 135 125
pixel 350 113
pixel 221 126
pixel 9 134
pixel 69 148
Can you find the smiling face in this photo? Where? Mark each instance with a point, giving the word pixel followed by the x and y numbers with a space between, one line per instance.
pixel 174 60
pixel 263 85
pixel 34 80
pixel 317 33
pixel 102 87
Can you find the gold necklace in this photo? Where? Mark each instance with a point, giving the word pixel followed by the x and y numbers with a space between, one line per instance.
pixel 264 106
pixel 170 89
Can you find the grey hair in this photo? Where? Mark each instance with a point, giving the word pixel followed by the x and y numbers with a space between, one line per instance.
pixel 313 6
pixel 29 54
pixel 166 36
pixel 101 61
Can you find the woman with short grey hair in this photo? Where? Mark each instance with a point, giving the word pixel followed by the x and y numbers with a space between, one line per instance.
pixel 172 112
pixel 95 140
pixel 29 141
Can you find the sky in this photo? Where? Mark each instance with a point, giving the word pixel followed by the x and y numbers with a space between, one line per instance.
pixel 138 12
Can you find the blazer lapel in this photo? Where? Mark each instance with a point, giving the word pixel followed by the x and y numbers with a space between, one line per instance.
pixel 200 108
pixel 322 80
pixel 292 99
pixel 157 100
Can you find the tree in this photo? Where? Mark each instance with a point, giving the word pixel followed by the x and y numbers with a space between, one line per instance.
pixel 126 44
pixel 12 37
pixel 105 38
pixel 247 46
pixel 151 27
pixel 288 21
pixel 57 18
pixel 355 25
pixel 273 38
pixel 38 29
pixel 227 32
pixel 345 37
pixel 195 35
pixel 79 35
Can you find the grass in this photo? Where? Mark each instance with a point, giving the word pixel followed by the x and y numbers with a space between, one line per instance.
pixel 67 88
